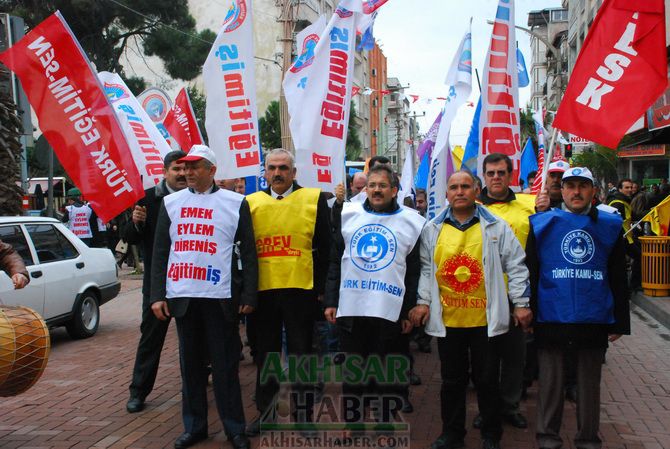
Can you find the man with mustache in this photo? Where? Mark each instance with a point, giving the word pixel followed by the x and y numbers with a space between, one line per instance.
pixel 370 321
pixel 466 251
pixel 551 196
pixel 205 273
pixel 579 299
pixel 292 230
pixel 141 230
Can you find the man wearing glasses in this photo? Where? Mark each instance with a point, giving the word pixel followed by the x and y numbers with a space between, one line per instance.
pixel 515 210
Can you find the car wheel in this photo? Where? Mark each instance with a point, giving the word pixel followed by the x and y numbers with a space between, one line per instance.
pixel 86 317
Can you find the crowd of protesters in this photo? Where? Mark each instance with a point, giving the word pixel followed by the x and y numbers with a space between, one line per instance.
pixel 362 273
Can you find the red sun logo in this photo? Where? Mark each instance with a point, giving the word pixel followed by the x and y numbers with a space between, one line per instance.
pixel 462 273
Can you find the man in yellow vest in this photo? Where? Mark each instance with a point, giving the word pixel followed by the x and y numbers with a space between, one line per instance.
pixel 515 210
pixel 466 251
pixel 292 230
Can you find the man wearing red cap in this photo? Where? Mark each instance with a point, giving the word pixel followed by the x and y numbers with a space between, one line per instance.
pixel 204 249
pixel 551 196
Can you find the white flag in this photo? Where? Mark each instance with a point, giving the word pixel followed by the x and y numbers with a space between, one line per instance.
pixel 459 80
pixel 407 176
pixel 146 143
pixel 318 93
pixel 230 86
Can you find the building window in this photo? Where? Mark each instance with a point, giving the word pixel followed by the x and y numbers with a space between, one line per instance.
pixel 374 72
pixel 559 15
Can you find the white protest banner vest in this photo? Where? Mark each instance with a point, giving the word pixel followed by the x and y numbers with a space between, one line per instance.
pixel 202 232
pixel 230 85
pixel 376 247
pixel 499 118
pixel 318 94
pixel 146 143
pixel 78 221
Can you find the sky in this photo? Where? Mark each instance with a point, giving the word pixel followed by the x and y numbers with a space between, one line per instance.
pixel 419 39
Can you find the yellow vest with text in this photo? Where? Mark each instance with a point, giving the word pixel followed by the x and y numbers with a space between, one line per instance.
pixel 516 213
pixel 460 276
pixel 284 230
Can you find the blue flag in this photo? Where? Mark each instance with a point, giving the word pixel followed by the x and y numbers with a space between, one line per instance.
pixel 521 67
pixel 421 178
pixel 253 184
pixel 472 147
pixel 528 161
pixel 367 39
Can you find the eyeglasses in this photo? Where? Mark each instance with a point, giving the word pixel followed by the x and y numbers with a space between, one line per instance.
pixel 381 186
pixel 499 173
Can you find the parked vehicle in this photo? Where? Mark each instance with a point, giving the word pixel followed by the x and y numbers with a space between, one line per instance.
pixel 68 280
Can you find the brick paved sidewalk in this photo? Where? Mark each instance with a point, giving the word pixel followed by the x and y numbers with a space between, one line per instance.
pixel 80 400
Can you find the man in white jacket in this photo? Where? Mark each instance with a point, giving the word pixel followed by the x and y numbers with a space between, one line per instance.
pixel 465 253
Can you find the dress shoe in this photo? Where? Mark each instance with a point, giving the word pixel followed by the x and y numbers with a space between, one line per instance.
pixel 135 404
pixel 443 442
pixel 515 420
pixel 490 444
pixel 240 441
pixel 571 393
pixel 414 378
pixel 254 428
pixel 477 422
pixel 189 439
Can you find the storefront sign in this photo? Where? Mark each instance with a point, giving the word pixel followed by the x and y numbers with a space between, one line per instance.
pixel 643 151
pixel 578 141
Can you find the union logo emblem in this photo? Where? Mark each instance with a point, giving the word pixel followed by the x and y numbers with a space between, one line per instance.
pixel 235 16
pixel 462 273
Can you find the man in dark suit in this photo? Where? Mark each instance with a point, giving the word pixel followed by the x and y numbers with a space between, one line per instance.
pixel 141 230
pixel 292 230
pixel 204 244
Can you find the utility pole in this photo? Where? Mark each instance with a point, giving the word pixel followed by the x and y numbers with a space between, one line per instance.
pixel 288 24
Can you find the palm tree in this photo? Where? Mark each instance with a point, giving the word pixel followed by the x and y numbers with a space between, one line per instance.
pixel 10 153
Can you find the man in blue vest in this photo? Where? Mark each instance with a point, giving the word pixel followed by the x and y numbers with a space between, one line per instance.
pixel 580 300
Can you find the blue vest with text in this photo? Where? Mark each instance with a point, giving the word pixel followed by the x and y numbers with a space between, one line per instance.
pixel 573 251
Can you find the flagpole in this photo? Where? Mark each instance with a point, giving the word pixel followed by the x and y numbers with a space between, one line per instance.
pixel 550 155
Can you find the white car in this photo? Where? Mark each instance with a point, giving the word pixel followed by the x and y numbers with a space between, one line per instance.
pixel 68 280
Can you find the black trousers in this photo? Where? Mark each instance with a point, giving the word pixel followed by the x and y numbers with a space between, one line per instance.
pixel 292 310
pixel 460 350
pixel 149 349
pixel 373 337
pixel 205 335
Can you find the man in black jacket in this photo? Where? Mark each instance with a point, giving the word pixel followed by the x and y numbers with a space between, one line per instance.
pixel 582 250
pixel 204 241
pixel 141 230
pixel 292 230
pixel 377 243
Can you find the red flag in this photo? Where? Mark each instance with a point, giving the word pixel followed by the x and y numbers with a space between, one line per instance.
pixel 181 123
pixel 537 182
pixel 355 90
pixel 621 70
pixel 75 116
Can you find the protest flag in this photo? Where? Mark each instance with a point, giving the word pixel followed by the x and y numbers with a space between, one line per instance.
pixel 619 73
pixel 75 116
